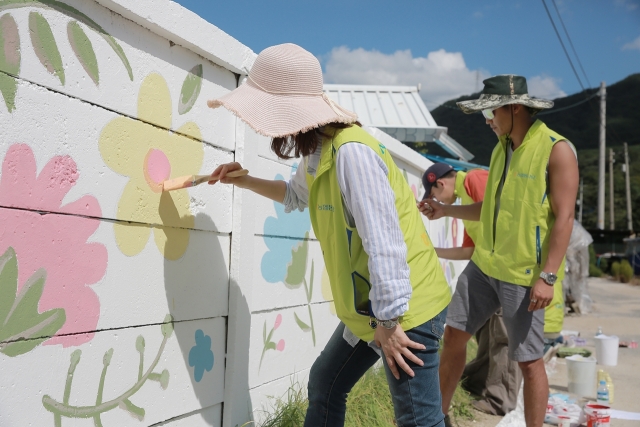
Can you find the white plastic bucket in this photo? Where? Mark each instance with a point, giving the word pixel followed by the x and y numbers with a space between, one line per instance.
pixel 607 349
pixel 582 375
pixel 597 415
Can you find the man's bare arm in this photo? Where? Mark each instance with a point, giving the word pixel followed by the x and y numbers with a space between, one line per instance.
pixel 436 210
pixel 563 183
pixel 459 254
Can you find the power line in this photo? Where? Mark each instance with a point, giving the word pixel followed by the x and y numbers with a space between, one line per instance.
pixel 562 44
pixel 570 42
pixel 557 110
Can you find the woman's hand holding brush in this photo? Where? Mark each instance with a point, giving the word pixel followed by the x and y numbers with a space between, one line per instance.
pixel 230 173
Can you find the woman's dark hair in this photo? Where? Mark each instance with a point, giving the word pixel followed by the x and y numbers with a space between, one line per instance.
pixel 305 143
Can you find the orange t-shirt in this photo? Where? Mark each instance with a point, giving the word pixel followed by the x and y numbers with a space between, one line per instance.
pixel 475 184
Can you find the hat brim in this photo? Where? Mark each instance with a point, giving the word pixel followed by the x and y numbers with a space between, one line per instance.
pixel 491 102
pixel 279 115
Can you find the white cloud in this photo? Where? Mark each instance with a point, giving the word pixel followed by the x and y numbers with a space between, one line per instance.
pixel 627 4
pixel 545 87
pixel 443 75
pixel 634 45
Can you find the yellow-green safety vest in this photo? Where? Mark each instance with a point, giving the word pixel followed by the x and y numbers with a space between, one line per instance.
pixel 472 228
pixel 516 250
pixel 554 312
pixel 344 256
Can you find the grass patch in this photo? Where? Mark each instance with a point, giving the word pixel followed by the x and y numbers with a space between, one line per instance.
pixel 286 411
pixel 368 405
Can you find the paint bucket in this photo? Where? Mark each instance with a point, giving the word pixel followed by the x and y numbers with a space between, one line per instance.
pixel 598 415
pixel 582 375
pixel 564 421
pixel 607 349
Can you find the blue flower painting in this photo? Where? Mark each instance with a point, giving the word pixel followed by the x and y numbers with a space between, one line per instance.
pixel 201 356
pixel 278 233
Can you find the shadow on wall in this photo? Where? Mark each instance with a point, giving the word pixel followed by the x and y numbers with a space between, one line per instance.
pixel 197 291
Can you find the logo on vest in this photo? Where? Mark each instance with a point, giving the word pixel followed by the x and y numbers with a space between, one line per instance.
pixel 527 271
pixel 325 208
pixel 383 149
pixel 524 175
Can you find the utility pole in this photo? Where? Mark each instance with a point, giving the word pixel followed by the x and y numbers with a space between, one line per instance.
pixel 612 218
pixel 580 202
pixel 601 172
pixel 628 185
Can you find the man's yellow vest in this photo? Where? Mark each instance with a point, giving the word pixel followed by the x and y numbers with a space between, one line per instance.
pixel 554 312
pixel 516 250
pixel 344 256
pixel 472 228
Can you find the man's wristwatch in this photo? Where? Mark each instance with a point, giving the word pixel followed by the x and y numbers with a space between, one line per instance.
pixel 549 278
pixel 388 324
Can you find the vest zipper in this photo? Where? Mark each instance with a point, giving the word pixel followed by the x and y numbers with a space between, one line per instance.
pixel 538 247
pixel 496 211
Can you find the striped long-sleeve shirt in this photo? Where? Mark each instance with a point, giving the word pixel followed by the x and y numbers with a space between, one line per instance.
pixel 369 205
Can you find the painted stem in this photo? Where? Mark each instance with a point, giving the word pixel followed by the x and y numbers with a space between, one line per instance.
pixel 69 411
pixel 103 376
pixel 73 13
pixel 306 290
pixel 313 329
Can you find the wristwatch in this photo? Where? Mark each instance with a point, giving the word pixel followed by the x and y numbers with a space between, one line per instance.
pixel 549 278
pixel 388 324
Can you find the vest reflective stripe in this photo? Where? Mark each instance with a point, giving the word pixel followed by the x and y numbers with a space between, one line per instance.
pixel 344 256
pixel 471 227
pixel 516 250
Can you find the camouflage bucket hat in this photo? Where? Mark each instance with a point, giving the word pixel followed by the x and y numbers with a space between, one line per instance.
pixel 503 90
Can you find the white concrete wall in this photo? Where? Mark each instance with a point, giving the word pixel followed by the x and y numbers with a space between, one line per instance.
pixel 121 305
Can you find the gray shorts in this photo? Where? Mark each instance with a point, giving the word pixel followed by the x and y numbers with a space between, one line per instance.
pixel 479 296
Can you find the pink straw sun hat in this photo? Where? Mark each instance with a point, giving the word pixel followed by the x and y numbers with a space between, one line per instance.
pixel 283 94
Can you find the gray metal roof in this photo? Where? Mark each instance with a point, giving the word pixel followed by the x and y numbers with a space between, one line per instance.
pixel 398 111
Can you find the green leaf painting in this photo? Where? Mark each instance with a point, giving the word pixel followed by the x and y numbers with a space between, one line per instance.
pixel 45 45
pixel 9 60
pixel 74 14
pixel 83 49
pixel 190 89
pixel 301 324
pixel 297 268
pixel 22 327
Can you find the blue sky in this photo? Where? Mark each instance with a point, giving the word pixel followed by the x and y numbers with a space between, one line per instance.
pixel 448 46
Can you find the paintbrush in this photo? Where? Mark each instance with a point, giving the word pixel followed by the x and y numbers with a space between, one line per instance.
pixel 193 180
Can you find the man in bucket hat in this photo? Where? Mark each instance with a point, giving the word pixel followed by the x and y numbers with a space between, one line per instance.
pixel 390 293
pixel 526 219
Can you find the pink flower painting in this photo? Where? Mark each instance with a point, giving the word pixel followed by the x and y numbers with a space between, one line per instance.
pixel 47 234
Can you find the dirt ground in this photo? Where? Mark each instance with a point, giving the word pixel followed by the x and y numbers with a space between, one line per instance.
pixel 616 308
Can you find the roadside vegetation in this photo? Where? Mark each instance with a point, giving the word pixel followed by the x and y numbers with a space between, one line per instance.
pixel 368 405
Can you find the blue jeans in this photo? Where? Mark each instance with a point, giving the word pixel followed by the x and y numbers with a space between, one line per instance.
pixel 416 401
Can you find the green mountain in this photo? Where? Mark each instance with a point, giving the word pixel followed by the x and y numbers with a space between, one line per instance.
pixel 577 117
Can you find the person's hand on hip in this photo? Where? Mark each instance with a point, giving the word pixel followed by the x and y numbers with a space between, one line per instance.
pixel 396 345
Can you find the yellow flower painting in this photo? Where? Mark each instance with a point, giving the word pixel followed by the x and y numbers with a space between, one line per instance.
pixel 145 150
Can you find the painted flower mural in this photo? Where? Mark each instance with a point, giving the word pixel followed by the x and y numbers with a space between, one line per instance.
pixel 200 356
pixel 267 343
pixel 50 242
pixel 276 260
pixel 148 155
